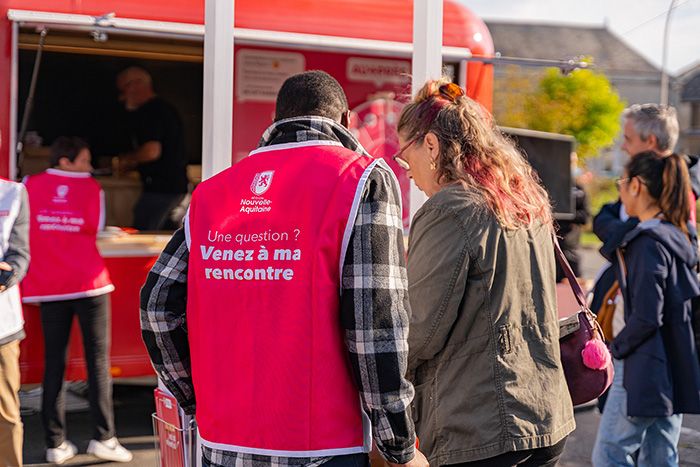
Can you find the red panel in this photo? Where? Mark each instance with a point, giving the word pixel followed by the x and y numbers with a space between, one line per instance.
pixel 128 354
pixel 480 84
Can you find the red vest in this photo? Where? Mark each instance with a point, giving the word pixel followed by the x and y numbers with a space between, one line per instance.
pixel 267 242
pixel 66 213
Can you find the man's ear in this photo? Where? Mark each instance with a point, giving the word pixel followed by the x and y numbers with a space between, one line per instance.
pixel 652 142
pixel 63 163
pixel 345 119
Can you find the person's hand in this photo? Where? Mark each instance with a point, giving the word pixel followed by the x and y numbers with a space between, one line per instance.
pixel 4 267
pixel 418 460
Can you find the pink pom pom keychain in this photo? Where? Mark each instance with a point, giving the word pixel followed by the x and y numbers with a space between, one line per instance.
pixel 596 355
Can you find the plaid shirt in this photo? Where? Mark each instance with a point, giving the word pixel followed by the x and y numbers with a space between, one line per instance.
pixel 374 313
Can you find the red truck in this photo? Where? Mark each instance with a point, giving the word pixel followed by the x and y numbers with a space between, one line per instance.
pixel 82 44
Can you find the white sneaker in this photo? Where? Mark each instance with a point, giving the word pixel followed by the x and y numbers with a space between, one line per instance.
pixel 59 455
pixel 109 450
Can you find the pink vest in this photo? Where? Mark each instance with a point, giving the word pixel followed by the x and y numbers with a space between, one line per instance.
pixel 267 242
pixel 66 213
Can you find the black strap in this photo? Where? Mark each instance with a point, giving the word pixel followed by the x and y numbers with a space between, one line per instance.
pixel 569 273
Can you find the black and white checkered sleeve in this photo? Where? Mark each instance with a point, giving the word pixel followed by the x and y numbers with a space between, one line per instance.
pixel 163 320
pixel 375 311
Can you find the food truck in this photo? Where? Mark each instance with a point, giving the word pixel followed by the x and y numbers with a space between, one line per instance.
pixel 58 64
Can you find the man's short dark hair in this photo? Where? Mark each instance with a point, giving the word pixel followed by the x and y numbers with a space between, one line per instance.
pixel 68 147
pixel 311 93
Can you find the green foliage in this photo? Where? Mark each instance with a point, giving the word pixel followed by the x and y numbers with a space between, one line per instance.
pixel 582 104
pixel 601 191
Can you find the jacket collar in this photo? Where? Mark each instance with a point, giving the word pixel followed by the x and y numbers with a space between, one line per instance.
pixel 309 128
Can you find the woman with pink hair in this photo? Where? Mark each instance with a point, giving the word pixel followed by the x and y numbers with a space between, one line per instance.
pixel 484 332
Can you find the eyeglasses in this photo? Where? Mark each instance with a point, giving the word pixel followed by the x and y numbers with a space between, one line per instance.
pixel 448 91
pixel 451 92
pixel 622 180
pixel 401 161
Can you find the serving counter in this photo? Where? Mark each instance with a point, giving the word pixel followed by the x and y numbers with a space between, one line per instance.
pixel 128 258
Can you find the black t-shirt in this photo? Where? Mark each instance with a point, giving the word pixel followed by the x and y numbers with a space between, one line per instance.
pixel 156 120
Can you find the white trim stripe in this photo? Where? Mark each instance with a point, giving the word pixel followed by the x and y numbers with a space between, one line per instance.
pixel 66 173
pixel 397 185
pixel 102 220
pixel 14 97
pixel 301 144
pixel 281 453
pixel 352 216
pixel 69 296
pixel 186 226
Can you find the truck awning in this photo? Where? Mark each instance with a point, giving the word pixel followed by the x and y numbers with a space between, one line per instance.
pixel 195 32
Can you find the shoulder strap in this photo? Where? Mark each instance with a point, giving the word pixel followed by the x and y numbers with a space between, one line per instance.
pixel 623 267
pixel 575 286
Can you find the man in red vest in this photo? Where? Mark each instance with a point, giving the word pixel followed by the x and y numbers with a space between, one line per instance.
pixel 278 314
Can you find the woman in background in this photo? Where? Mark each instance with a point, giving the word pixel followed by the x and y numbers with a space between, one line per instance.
pixel 657 376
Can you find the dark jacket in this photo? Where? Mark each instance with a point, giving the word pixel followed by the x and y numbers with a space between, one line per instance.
pixel 662 374
pixel 484 333
pixel 610 229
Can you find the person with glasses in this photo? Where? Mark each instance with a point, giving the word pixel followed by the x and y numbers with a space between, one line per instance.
pixel 483 338
pixel 647 127
pixel 657 375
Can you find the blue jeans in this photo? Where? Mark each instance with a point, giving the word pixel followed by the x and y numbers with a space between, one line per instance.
pixel 620 436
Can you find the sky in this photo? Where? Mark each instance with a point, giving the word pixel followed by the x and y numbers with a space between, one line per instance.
pixel 640 23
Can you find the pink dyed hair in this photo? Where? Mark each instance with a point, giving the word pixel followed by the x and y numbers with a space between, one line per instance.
pixel 475 153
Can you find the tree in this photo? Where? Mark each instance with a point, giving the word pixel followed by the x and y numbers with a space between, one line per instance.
pixel 582 104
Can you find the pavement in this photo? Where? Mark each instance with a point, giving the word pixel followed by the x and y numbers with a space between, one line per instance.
pixel 134 405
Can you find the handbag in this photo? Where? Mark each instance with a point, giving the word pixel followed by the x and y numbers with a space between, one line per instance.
pixel 585 359
pixel 606 313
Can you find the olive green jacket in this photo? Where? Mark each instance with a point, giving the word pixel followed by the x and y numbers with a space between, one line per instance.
pixel 484 335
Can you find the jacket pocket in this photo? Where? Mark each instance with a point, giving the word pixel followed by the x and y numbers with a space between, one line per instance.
pixel 421 401
pixel 505 345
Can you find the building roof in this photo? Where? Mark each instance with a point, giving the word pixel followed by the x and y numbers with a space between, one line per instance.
pixel 690 92
pixel 564 41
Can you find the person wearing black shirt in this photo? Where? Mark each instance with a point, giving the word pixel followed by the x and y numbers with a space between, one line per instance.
pixel 158 151
pixel 569 232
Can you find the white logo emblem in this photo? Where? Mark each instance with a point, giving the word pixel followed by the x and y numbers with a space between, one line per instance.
pixel 261 182
pixel 62 191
